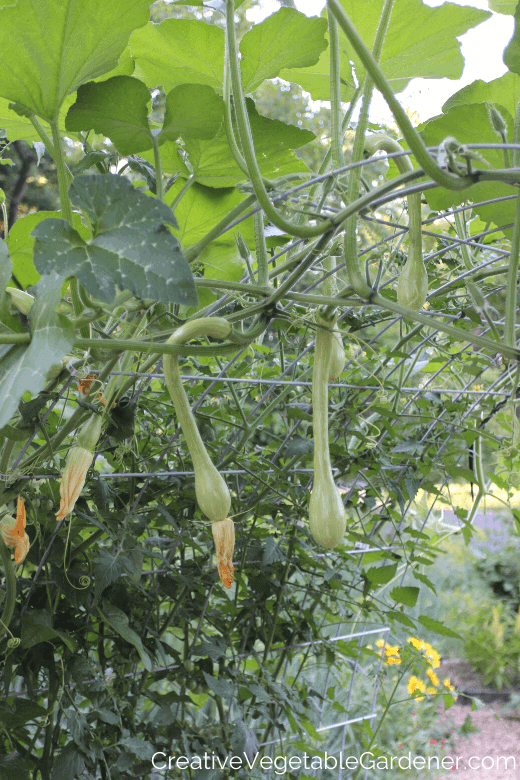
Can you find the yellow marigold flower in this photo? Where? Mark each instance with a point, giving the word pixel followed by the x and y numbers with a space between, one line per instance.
pixel 415 684
pixel 224 536
pixel 73 479
pixel 433 677
pixel 417 643
pixel 13 532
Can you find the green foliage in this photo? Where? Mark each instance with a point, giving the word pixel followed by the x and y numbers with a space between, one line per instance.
pixel 130 246
pixel 123 641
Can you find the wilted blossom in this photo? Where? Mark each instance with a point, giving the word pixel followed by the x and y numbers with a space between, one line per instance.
pixel 73 479
pixel 77 465
pixel 13 532
pixel 224 536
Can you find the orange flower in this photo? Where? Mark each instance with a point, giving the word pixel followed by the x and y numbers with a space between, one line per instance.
pixel 73 479
pixel 13 532
pixel 224 536
pixel 84 385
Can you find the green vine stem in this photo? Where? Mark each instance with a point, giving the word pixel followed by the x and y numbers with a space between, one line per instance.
pixel 356 279
pixel 182 192
pixel 261 251
pixel 4 214
pixel 4 461
pixel 516 137
pixel 228 115
pixel 48 143
pixel 63 182
pixel 512 282
pixel 444 178
pixel 246 140
pixel 336 141
pixel 413 275
pixel 158 168
pixel 10 587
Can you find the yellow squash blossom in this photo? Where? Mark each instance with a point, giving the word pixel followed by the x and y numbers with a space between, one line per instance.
pixel 224 536
pixel 13 532
pixel 77 465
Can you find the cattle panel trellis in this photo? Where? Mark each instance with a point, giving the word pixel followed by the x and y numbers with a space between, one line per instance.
pixel 253 669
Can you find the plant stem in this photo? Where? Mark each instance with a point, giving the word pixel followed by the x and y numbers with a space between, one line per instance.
pixel 246 140
pixel 354 273
pixel 261 251
pixel 336 142
pixel 66 208
pixel 444 178
pixel 512 282
pixel 182 192
pixel 158 169
pixel 10 587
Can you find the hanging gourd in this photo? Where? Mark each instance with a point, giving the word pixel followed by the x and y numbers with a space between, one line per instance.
pixel 412 286
pixel 211 491
pixel 327 518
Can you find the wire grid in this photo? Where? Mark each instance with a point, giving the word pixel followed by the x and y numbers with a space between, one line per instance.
pixel 498 390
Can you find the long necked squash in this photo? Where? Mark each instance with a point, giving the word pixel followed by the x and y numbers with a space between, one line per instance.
pixel 211 490
pixel 327 517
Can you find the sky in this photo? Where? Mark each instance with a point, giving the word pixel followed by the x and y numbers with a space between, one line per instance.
pixel 426 96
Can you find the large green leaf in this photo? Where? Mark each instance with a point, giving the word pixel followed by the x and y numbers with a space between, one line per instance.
pixel 193 111
pixel 286 39
pixel 21 244
pixel 214 165
pixel 502 6
pixel 20 128
pixel 420 42
pixel 179 51
pixel 50 47
pixel 202 208
pixel 118 109
pixel 23 368
pixel 69 764
pixel 131 247
pixel 119 622
pixel 37 627
pixel 504 90
pixel 471 124
pixel 512 51
pixel 316 78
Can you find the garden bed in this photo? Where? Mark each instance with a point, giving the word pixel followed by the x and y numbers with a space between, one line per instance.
pixel 471 683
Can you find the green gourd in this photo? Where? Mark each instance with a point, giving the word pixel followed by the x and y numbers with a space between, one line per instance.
pixel 211 490
pixel 327 517
pixel 337 355
pixel 412 287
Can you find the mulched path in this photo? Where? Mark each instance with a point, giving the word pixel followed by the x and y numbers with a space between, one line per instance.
pixel 496 737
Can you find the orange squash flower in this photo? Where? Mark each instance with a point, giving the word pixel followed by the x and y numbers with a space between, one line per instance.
pixel 224 536
pixel 13 532
pixel 76 466
pixel 85 384
pixel 73 479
